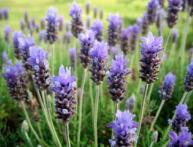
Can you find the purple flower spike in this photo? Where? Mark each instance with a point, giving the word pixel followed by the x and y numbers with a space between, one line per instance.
pixel 72 55
pixel 42 36
pixel 124 129
pixel 60 21
pixel 183 139
pixel 125 35
pixel 144 24
pixel 51 30
pixel 97 27
pixel 64 87
pixel 117 78
pixel 98 54
pixel 87 7
pixel 114 29
pixel 76 22
pixel 175 35
pixel 38 61
pixel 134 33
pixel 188 84
pixel 5 59
pixel 7 33
pixel 86 42
pixel 16 37
pixel 16 78
pixel 167 87
pixel 67 37
pixel 5 13
pixel 152 10
pixel 181 118
pixel 174 7
pixel 150 48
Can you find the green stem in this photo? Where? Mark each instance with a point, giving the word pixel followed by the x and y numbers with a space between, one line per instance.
pixel 157 114
pixel 142 109
pixel 91 97
pixel 96 115
pixel 67 135
pixel 80 108
pixel 53 62
pixel 173 117
pixel 152 143
pixel 28 139
pixel 188 98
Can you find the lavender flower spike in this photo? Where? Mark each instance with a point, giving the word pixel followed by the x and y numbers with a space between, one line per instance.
pixel 7 33
pixel 16 37
pixel 72 55
pixel 38 61
pixel 98 54
pixel 76 23
pixel 167 87
pixel 152 11
pixel 134 33
pixel 16 78
pixel 97 27
pixel 51 29
pixel 64 87
pixel 124 129
pixel 114 29
pixel 183 139
pixel 150 48
pixel 174 7
pixel 144 24
pixel 182 116
pixel 117 78
pixel 5 59
pixel 125 45
pixel 86 43
pixel 188 84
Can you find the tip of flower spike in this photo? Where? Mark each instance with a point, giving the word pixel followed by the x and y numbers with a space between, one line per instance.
pixel 75 10
pixel 100 50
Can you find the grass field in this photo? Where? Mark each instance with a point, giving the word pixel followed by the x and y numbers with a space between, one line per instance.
pixel 12 116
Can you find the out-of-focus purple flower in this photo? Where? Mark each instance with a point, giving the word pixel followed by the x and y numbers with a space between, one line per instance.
pixel 174 6
pixel 101 14
pixel 151 46
pixel 38 61
pixel 124 129
pixel 86 43
pixel 125 43
pixel 114 51
pixel 167 87
pixel 152 10
pixel 98 54
pixel 95 12
pixel 134 33
pixel 183 139
pixel 144 24
pixel 130 103
pixel 72 55
pixel 175 35
pixel 60 21
pixel 87 7
pixel 114 29
pixel 43 23
pixel 5 59
pixel 64 87
pixel 97 27
pixel 161 3
pixel 42 35
pixel 182 116
pixel 51 30
pixel 16 78
pixel 22 24
pixel 160 15
pixel 16 37
pixel 76 22
pixel 5 13
pixel 117 78
pixel 188 84
pixel 67 37
pixel 7 33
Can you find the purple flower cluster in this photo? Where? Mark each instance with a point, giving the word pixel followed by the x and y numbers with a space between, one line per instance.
pixel 5 59
pixel 116 78
pixel 64 87
pixel 124 129
pixel 51 30
pixel 17 82
pixel 151 46
pixel 174 7
pixel 98 54
pixel 167 87
pixel 86 42
pixel 97 27
pixel 152 11
pixel 144 24
pixel 134 33
pixel 183 139
pixel 7 33
pixel 125 35
pixel 182 116
pixel 60 22
pixel 188 83
pixel 76 23
pixel 4 13
pixel 114 29
pixel 16 37
pixel 38 61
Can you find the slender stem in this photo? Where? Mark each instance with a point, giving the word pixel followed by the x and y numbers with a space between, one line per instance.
pixel 167 40
pixel 80 108
pixel 67 135
pixel 143 108
pixel 188 98
pixel 53 62
pixel 28 139
pixel 29 122
pixel 96 115
pixel 91 97
pixel 173 117
pixel 157 114
pixel 152 143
